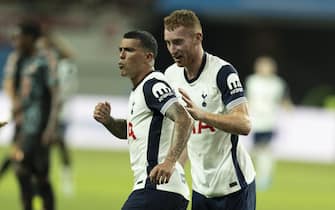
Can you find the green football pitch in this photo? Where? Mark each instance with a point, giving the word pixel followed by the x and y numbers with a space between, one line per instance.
pixel 103 180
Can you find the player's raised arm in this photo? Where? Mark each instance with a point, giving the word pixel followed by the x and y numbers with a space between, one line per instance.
pixel 182 129
pixel 236 121
pixel 102 114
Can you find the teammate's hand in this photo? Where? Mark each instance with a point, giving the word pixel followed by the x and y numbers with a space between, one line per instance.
pixel 48 136
pixel 102 113
pixel 162 173
pixel 2 124
pixel 194 111
pixel 17 154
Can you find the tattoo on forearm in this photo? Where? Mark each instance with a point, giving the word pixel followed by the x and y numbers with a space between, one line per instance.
pixel 118 127
pixel 182 131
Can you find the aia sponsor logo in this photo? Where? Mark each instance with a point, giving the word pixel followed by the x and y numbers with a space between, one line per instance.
pixel 200 127
pixel 131 133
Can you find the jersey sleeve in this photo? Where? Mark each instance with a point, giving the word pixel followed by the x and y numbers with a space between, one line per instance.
pixel 158 95
pixel 230 87
pixel 67 74
pixel 50 75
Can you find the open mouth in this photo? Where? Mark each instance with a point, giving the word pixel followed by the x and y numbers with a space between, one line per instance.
pixel 177 58
pixel 121 66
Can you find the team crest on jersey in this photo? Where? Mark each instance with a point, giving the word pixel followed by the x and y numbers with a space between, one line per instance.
pixel 234 84
pixel 161 91
pixel 204 96
pixel 132 108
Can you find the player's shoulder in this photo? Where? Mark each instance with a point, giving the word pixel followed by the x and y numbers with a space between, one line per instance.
pixel 12 57
pixel 172 70
pixel 251 78
pixel 217 64
pixel 156 85
pixel 215 60
pixel 40 61
pixel 154 76
pixel 279 79
pixel 280 82
pixel 36 64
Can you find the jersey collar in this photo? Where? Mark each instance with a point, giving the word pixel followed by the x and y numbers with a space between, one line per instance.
pixel 202 66
pixel 134 88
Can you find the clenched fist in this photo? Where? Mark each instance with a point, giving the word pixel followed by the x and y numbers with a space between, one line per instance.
pixel 102 112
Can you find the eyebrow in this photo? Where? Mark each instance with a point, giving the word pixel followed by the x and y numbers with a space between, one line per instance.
pixel 176 40
pixel 127 48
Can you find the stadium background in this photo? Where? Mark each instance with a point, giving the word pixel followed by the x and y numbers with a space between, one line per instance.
pixel 299 34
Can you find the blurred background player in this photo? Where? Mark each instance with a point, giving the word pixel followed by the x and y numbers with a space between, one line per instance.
pixel 38 106
pixel 266 93
pixel 61 58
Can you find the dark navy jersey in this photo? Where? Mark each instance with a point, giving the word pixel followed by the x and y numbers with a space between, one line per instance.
pixel 35 94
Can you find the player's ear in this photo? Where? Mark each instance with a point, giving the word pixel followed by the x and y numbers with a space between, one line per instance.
pixel 198 37
pixel 150 56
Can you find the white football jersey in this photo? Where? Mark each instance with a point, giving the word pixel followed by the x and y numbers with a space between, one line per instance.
pixel 150 133
pixel 67 73
pixel 219 163
pixel 265 94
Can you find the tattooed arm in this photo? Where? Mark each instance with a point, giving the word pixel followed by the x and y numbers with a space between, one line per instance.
pixel 182 130
pixel 118 127
pixel 161 173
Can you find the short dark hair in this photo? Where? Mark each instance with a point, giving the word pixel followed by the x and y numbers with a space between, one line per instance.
pixel 148 41
pixel 30 28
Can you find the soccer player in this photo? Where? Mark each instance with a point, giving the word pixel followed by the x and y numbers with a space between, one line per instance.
pixel 266 93
pixel 38 104
pixel 157 128
pixel 61 59
pixel 222 171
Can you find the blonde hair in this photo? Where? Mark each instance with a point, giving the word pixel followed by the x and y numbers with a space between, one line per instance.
pixel 186 18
